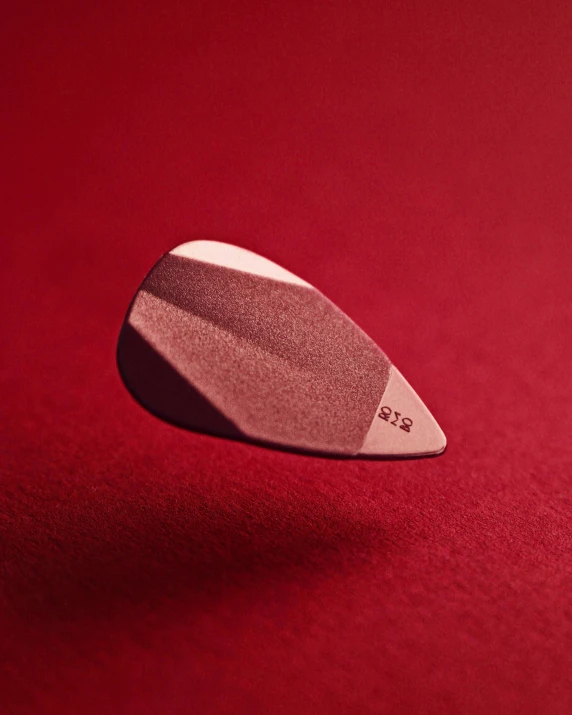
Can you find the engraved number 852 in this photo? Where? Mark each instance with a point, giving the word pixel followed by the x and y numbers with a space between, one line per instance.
pixel 406 422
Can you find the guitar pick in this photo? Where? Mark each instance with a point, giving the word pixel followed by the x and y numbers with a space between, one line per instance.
pixel 221 340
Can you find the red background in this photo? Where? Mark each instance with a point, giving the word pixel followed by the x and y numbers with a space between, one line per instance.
pixel 413 161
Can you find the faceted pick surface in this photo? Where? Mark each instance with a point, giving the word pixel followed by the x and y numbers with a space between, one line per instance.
pixel 223 341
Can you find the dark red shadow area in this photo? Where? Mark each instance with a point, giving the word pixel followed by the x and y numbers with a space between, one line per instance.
pixel 172 545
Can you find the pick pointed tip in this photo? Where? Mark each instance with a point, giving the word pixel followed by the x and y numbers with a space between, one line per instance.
pixel 403 426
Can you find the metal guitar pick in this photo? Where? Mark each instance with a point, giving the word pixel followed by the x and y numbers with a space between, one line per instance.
pixel 223 341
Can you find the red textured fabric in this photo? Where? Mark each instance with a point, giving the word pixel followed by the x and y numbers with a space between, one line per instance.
pixel 413 161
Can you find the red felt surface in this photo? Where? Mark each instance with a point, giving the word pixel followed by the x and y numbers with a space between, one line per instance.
pixel 413 161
